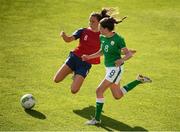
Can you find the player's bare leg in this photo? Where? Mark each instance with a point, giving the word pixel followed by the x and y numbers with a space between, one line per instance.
pixel 62 73
pixel 77 83
pixel 105 84
pixel 116 91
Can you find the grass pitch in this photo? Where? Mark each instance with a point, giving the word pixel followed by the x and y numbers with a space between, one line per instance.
pixel 31 52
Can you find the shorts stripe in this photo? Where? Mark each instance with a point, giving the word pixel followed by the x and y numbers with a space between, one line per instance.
pixel 117 75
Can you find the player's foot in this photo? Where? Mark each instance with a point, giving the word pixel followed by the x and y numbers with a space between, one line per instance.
pixel 144 79
pixel 93 122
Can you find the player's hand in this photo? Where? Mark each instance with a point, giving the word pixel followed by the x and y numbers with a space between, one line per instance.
pixel 62 34
pixel 132 51
pixel 85 57
pixel 119 62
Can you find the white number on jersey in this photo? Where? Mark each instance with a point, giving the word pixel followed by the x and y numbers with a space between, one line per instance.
pixel 106 48
pixel 85 37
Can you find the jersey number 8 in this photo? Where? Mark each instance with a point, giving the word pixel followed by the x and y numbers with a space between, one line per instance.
pixel 112 73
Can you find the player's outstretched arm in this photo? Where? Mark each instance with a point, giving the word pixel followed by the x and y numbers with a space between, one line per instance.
pixel 95 55
pixel 126 57
pixel 130 50
pixel 67 38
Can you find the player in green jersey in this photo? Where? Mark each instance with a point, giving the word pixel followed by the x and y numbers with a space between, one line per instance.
pixel 112 44
pixel 89 43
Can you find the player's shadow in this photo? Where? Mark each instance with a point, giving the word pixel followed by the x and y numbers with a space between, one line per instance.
pixel 108 123
pixel 35 113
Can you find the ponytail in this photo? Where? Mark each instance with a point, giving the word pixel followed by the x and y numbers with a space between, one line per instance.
pixel 108 22
pixel 113 20
pixel 121 20
pixel 101 15
pixel 104 13
pixel 106 16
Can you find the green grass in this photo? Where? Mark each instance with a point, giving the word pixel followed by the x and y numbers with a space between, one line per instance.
pixel 31 52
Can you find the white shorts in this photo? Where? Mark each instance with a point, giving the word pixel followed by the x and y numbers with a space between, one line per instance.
pixel 114 74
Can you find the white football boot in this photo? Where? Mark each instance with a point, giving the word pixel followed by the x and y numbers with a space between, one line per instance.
pixel 143 79
pixel 93 122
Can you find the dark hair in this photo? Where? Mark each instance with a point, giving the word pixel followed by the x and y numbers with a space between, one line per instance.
pixel 101 15
pixel 108 22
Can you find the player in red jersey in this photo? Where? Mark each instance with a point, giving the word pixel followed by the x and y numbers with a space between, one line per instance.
pixel 89 43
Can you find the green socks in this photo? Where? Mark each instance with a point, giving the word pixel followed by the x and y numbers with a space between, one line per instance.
pixel 100 101
pixel 99 106
pixel 130 86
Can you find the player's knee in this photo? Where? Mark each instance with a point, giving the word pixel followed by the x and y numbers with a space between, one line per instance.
pixel 99 92
pixel 56 80
pixel 74 91
pixel 117 97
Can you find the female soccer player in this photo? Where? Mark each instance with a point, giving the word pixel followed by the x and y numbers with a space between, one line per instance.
pixel 89 43
pixel 111 46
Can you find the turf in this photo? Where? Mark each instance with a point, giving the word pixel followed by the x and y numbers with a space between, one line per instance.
pixel 31 51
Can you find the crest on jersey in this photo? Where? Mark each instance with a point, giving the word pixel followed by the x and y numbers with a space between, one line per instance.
pixel 112 43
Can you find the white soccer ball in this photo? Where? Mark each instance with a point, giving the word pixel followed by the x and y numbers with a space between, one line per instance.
pixel 28 101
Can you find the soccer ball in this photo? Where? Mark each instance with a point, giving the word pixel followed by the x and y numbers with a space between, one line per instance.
pixel 28 101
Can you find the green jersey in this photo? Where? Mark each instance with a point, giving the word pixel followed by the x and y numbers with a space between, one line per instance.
pixel 111 48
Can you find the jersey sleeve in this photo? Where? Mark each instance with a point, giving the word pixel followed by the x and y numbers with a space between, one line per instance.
pixel 121 43
pixel 77 33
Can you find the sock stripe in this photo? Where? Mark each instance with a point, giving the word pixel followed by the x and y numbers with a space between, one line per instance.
pixel 123 91
pixel 100 100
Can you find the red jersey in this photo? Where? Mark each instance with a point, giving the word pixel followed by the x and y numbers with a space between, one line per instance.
pixel 89 43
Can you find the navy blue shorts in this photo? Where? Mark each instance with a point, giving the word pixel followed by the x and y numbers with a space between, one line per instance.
pixel 77 65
